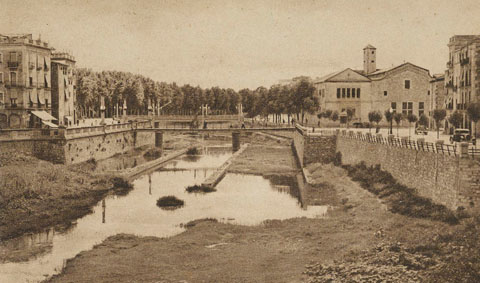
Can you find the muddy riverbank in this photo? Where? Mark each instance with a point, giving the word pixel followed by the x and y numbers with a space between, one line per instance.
pixel 275 251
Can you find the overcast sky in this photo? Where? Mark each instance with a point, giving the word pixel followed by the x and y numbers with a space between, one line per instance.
pixel 243 43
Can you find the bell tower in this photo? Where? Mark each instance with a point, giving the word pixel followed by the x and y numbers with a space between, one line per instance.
pixel 369 59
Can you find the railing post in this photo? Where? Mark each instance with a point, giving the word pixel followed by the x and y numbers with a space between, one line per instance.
pixel 464 149
pixel 439 145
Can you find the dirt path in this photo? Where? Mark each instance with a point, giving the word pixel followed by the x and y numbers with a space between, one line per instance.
pixel 276 251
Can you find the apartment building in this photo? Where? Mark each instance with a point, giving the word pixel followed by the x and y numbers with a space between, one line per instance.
pixel 462 77
pixel 24 80
pixel 63 89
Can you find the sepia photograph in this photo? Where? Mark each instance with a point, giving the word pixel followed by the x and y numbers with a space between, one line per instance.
pixel 238 141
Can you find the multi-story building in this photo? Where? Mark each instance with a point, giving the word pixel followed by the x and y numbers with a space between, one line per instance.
pixel 63 89
pixel 24 80
pixel 438 95
pixel 462 77
pixel 404 88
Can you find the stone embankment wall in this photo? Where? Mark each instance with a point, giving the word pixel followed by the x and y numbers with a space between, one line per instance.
pixel 74 149
pixel 314 147
pixel 447 179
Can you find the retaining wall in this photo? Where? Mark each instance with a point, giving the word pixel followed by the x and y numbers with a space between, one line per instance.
pixel 447 179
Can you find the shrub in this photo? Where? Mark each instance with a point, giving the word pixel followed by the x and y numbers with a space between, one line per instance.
pixel 200 189
pixel 338 159
pixel 170 202
pixel 192 151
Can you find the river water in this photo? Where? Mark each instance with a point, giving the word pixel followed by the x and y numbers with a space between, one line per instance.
pixel 239 199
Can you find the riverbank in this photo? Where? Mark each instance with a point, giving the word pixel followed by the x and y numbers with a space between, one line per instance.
pixel 276 251
pixel 37 194
pixel 357 228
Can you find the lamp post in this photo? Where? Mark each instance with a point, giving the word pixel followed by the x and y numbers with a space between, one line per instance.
pixel 391 120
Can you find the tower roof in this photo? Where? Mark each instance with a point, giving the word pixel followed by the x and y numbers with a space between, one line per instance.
pixel 369 47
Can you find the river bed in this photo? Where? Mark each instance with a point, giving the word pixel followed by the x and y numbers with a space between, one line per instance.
pixel 239 199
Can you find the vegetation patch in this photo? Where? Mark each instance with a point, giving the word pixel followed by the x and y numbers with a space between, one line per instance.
pixel 200 189
pixel 193 151
pixel 399 198
pixel 170 202
pixel 121 186
pixel 152 154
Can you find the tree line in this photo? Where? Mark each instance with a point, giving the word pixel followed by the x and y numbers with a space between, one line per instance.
pixel 142 94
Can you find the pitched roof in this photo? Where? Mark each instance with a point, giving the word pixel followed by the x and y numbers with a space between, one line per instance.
pixel 393 68
pixel 345 75
pixel 369 47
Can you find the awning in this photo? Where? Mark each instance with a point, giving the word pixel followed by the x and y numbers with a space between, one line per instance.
pixel 51 125
pixel 43 115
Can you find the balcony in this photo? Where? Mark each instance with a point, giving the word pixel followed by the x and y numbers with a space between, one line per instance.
pixel 13 64
pixel 39 68
pixel 14 85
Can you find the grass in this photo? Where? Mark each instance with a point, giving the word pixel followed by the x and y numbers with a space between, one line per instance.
pixel 192 151
pixel 200 189
pixel 170 202
pixel 399 198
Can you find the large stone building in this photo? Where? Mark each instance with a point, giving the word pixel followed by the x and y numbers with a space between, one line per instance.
pixel 34 84
pixel 404 88
pixel 24 80
pixel 462 77
pixel 63 89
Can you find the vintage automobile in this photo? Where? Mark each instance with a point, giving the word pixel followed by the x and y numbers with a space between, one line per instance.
pixel 462 135
pixel 421 130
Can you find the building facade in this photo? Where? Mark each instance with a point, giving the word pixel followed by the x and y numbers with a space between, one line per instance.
pixel 25 80
pixel 438 95
pixel 63 89
pixel 404 88
pixel 462 77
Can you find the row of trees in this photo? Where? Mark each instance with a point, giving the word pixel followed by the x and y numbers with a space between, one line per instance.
pixel 141 92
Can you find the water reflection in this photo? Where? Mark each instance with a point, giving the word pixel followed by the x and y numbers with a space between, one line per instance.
pixel 240 199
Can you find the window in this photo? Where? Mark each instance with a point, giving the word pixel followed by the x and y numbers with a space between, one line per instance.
pixel 1 77
pixel 385 93
pixel 407 84
pixel 348 92
pixel 13 57
pixel 343 93
pixel 46 82
pixel 1 58
pixel 353 93
pixel 373 61
pixel 404 108
pixel 407 108
pixel 46 103
pixel 428 92
pixel 358 92
pixel 410 108
pixel 30 81
pixel 393 105
pixel 421 109
pixel 13 78
pixel 338 93
pixel 13 102
pixel 2 98
pixel 373 52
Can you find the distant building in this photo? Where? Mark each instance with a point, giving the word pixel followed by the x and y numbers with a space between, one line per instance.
pixel 462 77
pixel 25 88
pixel 438 95
pixel 404 88
pixel 63 89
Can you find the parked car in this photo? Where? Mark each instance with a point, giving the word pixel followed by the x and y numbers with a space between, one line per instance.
pixel 421 130
pixel 462 135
